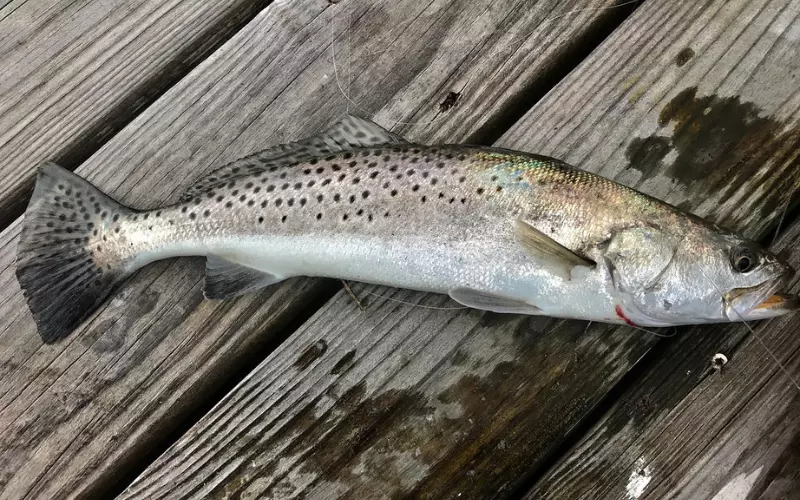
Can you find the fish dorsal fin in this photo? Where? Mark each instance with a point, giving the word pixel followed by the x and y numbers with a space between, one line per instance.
pixel 490 302
pixel 547 252
pixel 226 279
pixel 349 133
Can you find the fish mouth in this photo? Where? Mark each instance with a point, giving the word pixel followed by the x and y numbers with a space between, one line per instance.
pixel 759 302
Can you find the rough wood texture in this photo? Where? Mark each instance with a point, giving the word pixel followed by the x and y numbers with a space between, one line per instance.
pixel 77 416
pixel 686 431
pixel 74 73
pixel 411 402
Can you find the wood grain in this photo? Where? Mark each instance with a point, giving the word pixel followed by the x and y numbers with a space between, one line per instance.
pixel 77 416
pixel 74 73
pixel 421 400
pixel 687 431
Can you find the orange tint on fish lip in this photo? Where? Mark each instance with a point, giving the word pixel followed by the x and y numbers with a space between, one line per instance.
pixel 780 300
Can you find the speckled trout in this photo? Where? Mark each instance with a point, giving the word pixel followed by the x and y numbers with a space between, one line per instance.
pixel 496 230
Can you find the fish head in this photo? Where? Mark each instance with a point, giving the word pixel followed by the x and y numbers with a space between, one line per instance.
pixel 700 275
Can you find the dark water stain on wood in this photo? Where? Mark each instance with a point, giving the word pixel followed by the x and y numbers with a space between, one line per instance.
pixel 311 354
pixel 684 56
pixel 721 144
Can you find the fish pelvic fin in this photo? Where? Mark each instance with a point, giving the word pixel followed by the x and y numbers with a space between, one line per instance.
pixel 62 268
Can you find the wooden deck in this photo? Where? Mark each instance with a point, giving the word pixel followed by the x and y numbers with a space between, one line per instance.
pixel 296 392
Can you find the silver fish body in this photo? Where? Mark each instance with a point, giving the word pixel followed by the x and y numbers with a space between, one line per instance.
pixel 497 230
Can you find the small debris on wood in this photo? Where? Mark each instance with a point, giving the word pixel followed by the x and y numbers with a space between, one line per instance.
pixel 352 295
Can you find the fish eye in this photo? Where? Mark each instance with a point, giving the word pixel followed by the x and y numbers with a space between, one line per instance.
pixel 744 259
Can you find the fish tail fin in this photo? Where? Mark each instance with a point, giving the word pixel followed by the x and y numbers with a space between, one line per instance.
pixel 62 267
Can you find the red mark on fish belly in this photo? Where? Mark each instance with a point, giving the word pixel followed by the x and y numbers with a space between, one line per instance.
pixel 622 316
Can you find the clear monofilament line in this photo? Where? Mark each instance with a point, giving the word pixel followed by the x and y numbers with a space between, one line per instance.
pixel 775 358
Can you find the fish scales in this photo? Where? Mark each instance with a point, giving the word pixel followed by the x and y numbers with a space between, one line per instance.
pixel 495 229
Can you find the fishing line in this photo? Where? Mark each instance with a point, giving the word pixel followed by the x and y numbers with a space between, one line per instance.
pixel 413 304
pixel 775 358
pixel 780 221
pixel 438 113
pixel 661 335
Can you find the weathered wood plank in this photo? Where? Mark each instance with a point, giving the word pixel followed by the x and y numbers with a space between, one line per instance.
pixel 403 401
pixel 74 73
pixel 74 417
pixel 686 431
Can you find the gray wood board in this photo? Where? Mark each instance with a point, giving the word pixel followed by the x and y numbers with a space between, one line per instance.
pixel 694 102
pixel 78 415
pixel 74 73
pixel 686 431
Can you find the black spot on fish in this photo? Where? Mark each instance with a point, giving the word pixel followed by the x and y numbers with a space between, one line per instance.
pixel 319 216
pixel 283 219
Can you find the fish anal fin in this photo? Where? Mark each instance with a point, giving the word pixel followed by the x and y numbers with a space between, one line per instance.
pixel 226 279
pixel 491 302
pixel 547 252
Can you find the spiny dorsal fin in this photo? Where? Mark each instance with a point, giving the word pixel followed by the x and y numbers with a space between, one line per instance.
pixel 547 252
pixel 349 133
pixel 225 279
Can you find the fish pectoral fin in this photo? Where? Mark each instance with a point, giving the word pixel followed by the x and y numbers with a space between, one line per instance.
pixel 349 133
pixel 547 252
pixel 490 302
pixel 226 279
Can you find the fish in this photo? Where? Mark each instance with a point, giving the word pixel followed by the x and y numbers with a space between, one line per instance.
pixel 495 229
